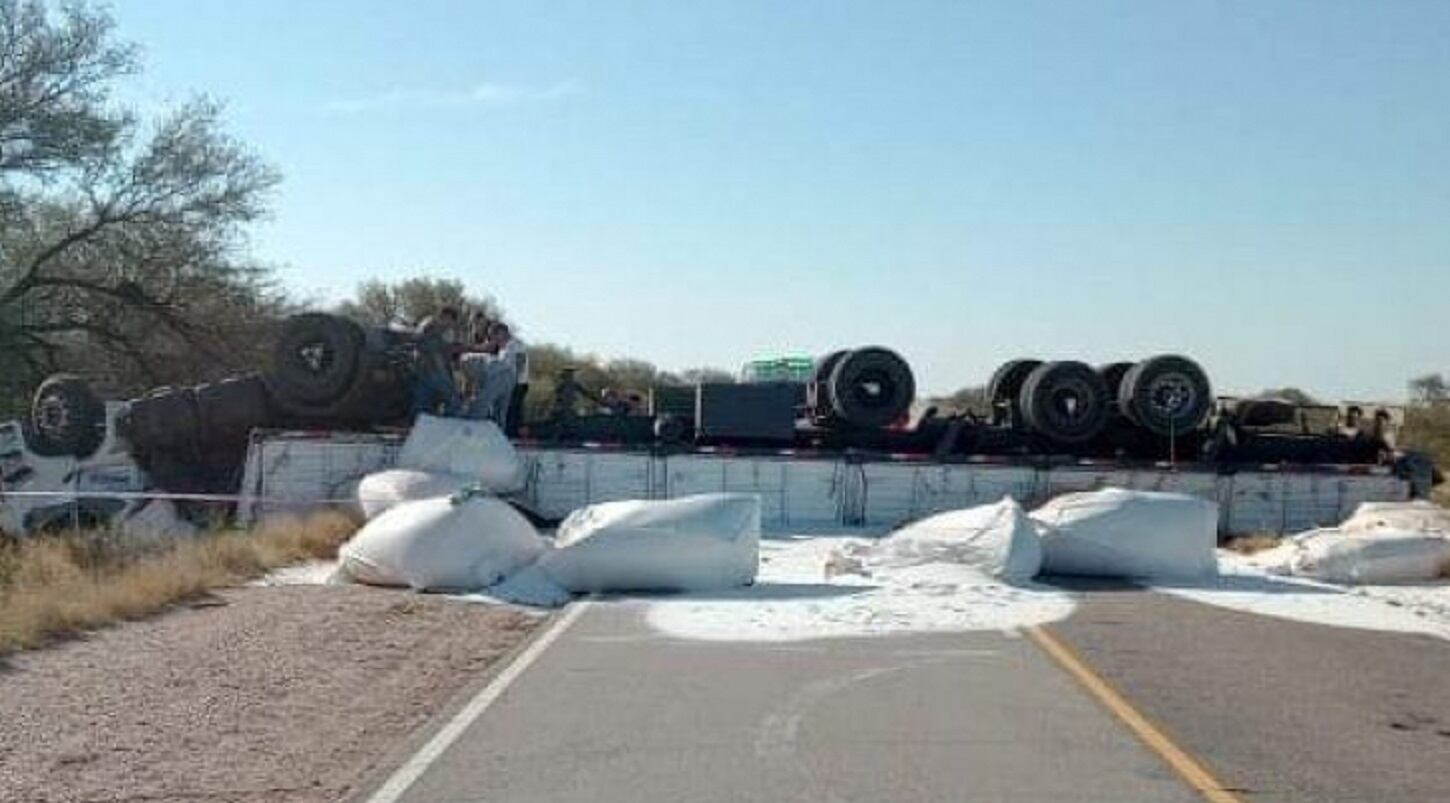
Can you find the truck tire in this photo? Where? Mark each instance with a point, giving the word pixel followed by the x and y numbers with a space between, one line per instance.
pixel 818 390
pixel 1166 395
pixel 1112 374
pixel 164 421
pixel 871 387
pixel 228 411
pixel 1065 402
pixel 380 394
pixel 669 430
pixel 315 361
pixel 1005 387
pixel 66 418
pixel 1265 412
pixel 821 371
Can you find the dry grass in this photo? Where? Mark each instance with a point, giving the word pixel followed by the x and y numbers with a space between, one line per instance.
pixel 56 586
pixel 1249 544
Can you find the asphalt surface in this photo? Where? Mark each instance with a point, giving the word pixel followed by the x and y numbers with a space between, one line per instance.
pixel 1283 711
pixel 613 712
pixel 1276 710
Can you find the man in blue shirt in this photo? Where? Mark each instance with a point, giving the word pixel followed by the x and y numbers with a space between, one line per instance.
pixel 434 386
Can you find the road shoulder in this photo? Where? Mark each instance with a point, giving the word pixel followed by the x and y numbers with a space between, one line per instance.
pixel 291 693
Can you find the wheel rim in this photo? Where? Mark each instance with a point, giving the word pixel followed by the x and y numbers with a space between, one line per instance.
pixel 53 416
pixel 873 389
pixel 1171 395
pixel 1070 405
pixel 1072 408
pixel 317 357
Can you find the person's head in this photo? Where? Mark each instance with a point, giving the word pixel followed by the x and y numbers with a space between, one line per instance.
pixel 1353 415
pixel 479 327
pixel 448 314
pixel 501 333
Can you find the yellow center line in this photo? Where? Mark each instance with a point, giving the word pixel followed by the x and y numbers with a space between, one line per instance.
pixel 1190 770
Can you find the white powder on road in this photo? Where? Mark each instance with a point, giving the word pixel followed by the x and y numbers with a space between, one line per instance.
pixel 311 573
pixel 1248 584
pixel 793 599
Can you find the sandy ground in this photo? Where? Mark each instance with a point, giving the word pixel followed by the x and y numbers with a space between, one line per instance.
pixel 279 694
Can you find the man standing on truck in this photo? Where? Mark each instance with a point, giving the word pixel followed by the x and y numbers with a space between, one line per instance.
pixel 499 379
pixel 512 350
pixel 434 386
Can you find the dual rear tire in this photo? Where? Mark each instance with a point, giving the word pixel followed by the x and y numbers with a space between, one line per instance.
pixel 1166 395
pixel 865 388
pixel 326 368
pixel 1070 403
pixel 1067 402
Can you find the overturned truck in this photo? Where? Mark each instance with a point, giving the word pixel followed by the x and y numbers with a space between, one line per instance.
pixel 330 373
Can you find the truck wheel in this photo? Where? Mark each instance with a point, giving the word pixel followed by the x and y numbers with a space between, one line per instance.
pixel 669 429
pixel 66 418
pixel 164 421
pixel 871 387
pixel 1065 402
pixel 818 390
pixel 1005 386
pixel 227 411
pixel 1112 374
pixel 1264 412
pixel 315 360
pixel 1166 394
pixel 379 394
pixel 821 371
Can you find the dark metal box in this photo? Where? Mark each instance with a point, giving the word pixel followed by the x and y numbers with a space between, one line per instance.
pixel 755 412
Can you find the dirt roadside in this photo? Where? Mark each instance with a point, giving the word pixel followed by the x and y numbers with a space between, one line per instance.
pixel 280 694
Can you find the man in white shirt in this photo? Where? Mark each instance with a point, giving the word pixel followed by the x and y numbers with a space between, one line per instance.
pixel 512 350
pixel 499 379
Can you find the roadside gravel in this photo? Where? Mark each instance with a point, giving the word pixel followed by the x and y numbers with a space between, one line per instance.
pixel 280 694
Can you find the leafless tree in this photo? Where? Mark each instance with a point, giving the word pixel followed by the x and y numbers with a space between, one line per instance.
pixel 119 241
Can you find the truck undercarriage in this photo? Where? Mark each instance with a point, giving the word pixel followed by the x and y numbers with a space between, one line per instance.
pixel 332 374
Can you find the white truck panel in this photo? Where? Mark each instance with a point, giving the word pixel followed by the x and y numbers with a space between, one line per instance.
pixel 559 483
pixel 805 493
pixel 792 493
pixel 51 483
pixel 288 474
pixel 889 494
pixel 1279 501
pixel 294 472
pixel 813 492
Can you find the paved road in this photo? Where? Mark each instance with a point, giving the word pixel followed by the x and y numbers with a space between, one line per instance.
pixel 1282 711
pixel 612 712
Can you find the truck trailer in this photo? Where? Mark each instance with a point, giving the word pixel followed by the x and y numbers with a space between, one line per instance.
pixel 850 414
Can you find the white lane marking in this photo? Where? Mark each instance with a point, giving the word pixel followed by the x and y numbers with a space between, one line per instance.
pixel 414 767
pixel 776 737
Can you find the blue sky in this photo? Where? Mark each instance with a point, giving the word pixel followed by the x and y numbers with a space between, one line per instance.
pixel 1262 185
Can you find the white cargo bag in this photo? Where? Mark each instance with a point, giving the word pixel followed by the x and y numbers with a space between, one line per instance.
pixel 477 450
pixel 998 539
pixel 1120 533
pixel 695 543
pixel 1420 515
pixel 463 542
pixel 378 492
pixel 1383 556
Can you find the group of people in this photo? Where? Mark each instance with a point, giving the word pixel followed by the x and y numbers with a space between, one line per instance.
pixel 492 363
